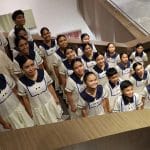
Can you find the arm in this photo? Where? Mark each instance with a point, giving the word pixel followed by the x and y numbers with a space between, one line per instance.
pixel 84 111
pixel 106 105
pixel 27 105
pixel 57 74
pixel 51 89
pixel 5 124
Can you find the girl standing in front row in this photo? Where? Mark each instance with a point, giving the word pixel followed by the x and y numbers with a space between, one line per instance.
pixel 94 100
pixel 12 112
pixel 39 97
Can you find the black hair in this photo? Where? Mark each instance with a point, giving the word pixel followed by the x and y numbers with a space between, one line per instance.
pixel 83 35
pixel 121 54
pixel 97 54
pixel 59 36
pixel 87 74
pixel 111 71
pixel 68 47
pixel 17 13
pixel 136 64
pixel 84 46
pixel 22 60
pixel 18 29
pixel 74 61
pixel 124 84
pixel 18 39
pixel 138 45
pixel 42 29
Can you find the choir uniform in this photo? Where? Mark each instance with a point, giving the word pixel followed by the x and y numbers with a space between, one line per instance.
pixel 94 104
pixel 123 105
pixel 135 57
pixel 11 109
pixel 75 85
pixel 124 71
pixel 44 108
pixel 112 60
pixel 101 73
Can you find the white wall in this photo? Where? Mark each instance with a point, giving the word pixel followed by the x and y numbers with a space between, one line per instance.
pixel 58 15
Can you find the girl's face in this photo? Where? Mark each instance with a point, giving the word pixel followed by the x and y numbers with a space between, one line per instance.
pixel 86 39
pixel 62 42
pixel 92 81
pixel 114 79
pixel 88 50
pixel 139 49
pixel 70 54
pixel 111 48
pixel 23 46
pixel 100 60
pixel 29 68
pixel 124 58
pixel 20 20
pixel 24 34
pixel 139 70
pixel 78 68
pixel 128 91
pixel 46 35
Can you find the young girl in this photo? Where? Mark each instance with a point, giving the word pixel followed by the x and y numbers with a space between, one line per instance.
pixel 112 88
pixel 24 49
pixel 94 101
pixel 100 69
pixel 111 56
pixel 124 67
pixel 38 95
pixel 128 101
pixel 12 112
pixel 139 55
pixel 85 39
pixel 74 86
pixel 89 56
pixel 140 78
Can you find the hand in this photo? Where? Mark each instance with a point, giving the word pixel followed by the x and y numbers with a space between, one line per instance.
pixel 73 108
pixel 7 126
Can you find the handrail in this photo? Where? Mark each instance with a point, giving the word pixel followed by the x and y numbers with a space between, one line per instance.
pixel 139 26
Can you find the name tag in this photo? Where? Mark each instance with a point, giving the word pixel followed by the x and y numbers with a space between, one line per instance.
pixel 37 88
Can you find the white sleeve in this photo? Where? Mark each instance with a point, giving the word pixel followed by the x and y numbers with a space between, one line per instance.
pixel 117 105
pixel 144 93
pixel 10 82
pixel 42 51
pixel 11 38
pixel 48 78
pixel 17 69
pixel 21 89
pixel 62 69
pixel 82 103
pixel 70 85
pixel 3 40
pixel 38 58
pixel 145 58
pixel 139 102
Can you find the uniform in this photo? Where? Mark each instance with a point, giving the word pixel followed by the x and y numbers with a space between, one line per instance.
pixel 43 105
pixel 11 109
pixel 124 71
pixel 94 104
pixel 140 83
pixel 33 55
pixel 123 105
pixel 75 85
pixel 112 60
pixel 3 42
pixel 112 92
pixel 89 62
pixel 135 57
pixel 101 74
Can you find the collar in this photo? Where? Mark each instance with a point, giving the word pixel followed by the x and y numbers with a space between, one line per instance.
pixel 111 56
pixel 99 70
pixel 88 98
pixel 112 84
pixel 3 82
pixel 123 66
pixel 67 64
pixel 127 100
pixel 140 79
pixel 46 47
pixel 87 59
pixel 28 82
pixel 139 54
pixel 59 52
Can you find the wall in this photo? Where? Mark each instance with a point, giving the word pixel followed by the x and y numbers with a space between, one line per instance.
pixel 58 15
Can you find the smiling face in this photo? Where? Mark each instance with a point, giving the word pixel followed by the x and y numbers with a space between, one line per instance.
pixel 62 42
pixel 70 54
pixel 128 91
pixel 86 39
pixel 23 33
pixel 29 68
pixel 20 20
pixel 78 68
pixel 23 46
pixel 139 70
pixel 114 79
pixel 100 60
pixel 46 35
pixel 92 81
